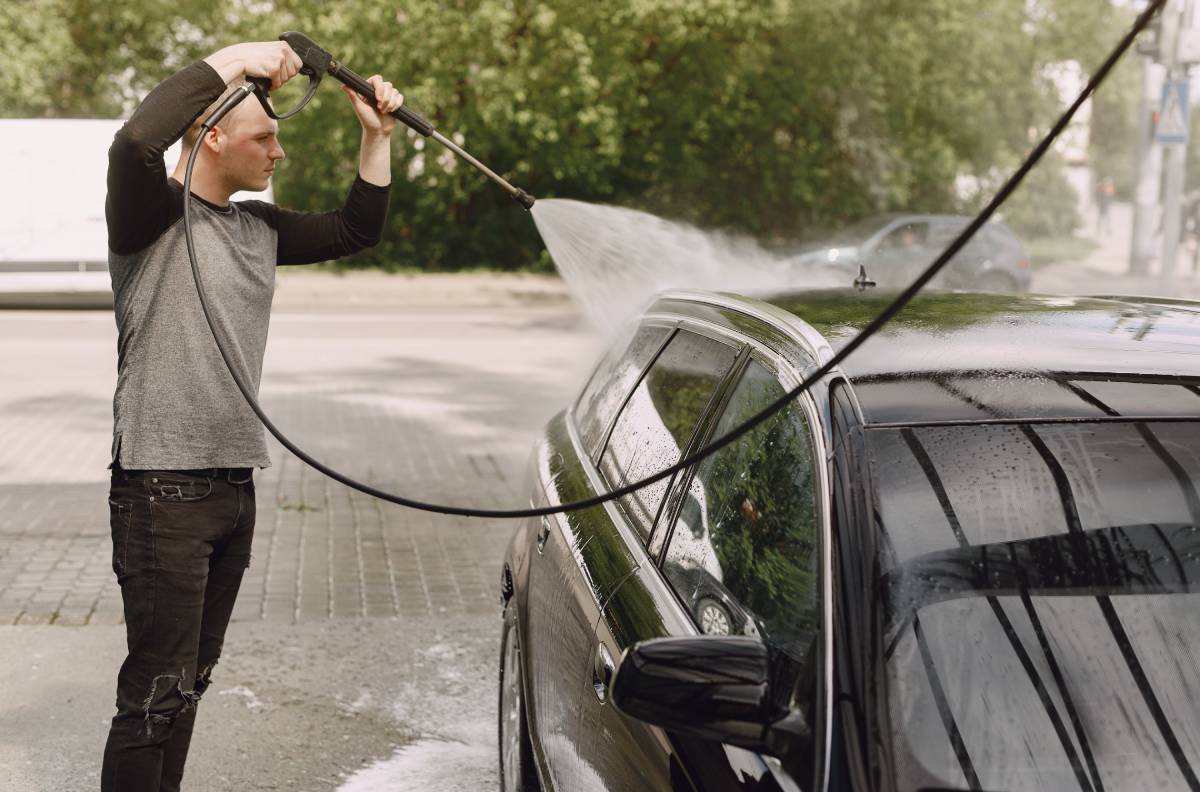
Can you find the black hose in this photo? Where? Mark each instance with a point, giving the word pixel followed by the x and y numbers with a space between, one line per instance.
pixel 871 329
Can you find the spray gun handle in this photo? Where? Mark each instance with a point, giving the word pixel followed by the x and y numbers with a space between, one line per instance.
pixel 402 114
pixel 318 63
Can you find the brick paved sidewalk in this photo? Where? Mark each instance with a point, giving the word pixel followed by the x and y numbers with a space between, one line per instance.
pixel 438 407
pixel 321 550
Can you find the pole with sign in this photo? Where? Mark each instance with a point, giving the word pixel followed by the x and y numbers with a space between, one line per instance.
pixel 1173 114
pixel 1172 133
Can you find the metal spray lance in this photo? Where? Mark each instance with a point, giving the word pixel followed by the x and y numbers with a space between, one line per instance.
pixel 318 63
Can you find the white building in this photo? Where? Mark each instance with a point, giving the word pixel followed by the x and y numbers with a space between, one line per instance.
pixel 53 238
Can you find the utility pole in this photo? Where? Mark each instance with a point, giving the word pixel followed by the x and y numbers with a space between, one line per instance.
pixel 1149 170
pixel 1177 57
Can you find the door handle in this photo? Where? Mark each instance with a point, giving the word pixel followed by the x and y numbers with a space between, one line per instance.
pixel 543 534
pixel 602 672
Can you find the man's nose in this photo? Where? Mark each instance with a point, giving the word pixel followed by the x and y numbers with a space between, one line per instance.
pixel 277 153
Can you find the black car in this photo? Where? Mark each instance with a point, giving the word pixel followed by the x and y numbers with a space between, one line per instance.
pixel 969 559
pixel 894 248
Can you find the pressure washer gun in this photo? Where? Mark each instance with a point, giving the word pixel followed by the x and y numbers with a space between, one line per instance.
pixel 318 63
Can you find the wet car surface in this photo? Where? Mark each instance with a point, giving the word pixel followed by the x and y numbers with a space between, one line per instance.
pixel 967 559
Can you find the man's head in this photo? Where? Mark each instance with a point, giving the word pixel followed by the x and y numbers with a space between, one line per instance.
pixel 240 152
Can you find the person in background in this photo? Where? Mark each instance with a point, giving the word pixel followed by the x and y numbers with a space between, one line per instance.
pixel 1105 192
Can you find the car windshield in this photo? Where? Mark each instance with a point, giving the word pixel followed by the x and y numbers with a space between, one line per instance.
pixel 1039 601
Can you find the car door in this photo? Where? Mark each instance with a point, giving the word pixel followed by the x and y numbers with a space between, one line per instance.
pixel 741 556
pixel 585 555
pixel 563 601
pixel 961 270
pixel 976 257
pixel 900 253
pixel 656 424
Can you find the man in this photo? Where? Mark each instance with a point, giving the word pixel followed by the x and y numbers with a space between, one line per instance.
pixel 185 442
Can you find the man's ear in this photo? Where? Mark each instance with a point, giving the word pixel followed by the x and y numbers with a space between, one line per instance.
pixel 214 139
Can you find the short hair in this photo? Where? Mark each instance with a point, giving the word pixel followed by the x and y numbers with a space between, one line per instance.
pixel 193 131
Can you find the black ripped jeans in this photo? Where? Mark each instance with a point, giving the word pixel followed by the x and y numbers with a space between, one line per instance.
pixel 181 543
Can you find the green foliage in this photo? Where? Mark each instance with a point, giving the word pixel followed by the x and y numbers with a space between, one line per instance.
pixel 1113 143
pixel 769 117
pixel 87 59
pixel 838 315
pixel 1053 250
pixel 1045 205
pixel 760 514
pixel 679 398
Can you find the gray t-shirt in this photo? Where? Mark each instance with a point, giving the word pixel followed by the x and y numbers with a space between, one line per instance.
pixel 176 406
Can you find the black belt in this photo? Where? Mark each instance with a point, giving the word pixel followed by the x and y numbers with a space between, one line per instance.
pixel 237 475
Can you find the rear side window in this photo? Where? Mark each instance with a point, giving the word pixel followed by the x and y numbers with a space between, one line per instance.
pixel 945 233
pixel 743 557
pixel 611 383
pixel 905 236
pixel 657 422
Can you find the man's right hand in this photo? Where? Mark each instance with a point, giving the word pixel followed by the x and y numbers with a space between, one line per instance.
pixel 273 59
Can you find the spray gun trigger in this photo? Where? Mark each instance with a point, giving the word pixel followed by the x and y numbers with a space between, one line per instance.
pixel 262 86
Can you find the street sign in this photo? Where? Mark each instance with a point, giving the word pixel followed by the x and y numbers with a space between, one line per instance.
pixel 1173 113
pixel 1187 50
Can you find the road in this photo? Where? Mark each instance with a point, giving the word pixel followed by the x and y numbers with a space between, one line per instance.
pixel 364 647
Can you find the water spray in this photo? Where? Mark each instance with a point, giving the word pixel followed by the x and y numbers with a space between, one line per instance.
pixel 316 66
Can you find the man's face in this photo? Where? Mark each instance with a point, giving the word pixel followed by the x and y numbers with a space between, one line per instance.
pixel 250 148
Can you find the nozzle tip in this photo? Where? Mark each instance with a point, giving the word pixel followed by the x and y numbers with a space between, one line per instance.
pixel 524 198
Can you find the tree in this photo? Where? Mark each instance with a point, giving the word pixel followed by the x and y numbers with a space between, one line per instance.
pixel 86 58
pixel 1115 111
pixel 769 117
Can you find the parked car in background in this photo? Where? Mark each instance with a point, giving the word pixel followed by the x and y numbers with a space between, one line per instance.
pixel 894 248
pixel 967 559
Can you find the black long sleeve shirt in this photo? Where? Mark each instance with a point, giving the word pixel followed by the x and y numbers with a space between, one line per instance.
pixel 176 406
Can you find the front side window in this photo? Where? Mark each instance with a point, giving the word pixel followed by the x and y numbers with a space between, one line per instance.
pixel 743 555
pixel 906 236
pixel 1039 601
pixel 657 422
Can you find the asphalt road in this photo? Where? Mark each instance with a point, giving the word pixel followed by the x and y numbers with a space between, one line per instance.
pixel 364 649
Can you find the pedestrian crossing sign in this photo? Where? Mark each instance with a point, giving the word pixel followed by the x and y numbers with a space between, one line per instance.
pixel 1173 115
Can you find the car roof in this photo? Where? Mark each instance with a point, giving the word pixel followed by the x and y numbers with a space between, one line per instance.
pixel 966 357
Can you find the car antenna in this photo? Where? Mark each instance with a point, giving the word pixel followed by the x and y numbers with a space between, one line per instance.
pixel 862 282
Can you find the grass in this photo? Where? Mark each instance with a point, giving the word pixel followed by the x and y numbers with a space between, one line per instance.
pixel 337 267
pixel 285 505
pixel 1053 250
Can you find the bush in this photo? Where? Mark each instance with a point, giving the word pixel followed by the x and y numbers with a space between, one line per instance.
pixel 766 117
pixel 1045 205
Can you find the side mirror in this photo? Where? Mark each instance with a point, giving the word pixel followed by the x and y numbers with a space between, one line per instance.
pixel 715 688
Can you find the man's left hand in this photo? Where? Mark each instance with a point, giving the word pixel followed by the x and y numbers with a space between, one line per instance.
pixel 376 117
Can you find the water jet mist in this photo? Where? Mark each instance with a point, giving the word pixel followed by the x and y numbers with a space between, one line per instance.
pixel 614 259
